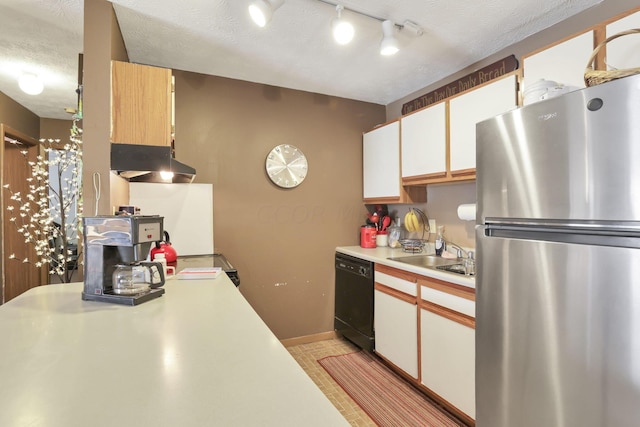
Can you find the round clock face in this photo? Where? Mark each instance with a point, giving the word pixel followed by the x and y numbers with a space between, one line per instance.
pixel 286 166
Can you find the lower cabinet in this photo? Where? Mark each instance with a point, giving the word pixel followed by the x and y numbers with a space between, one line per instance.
pixel 425 328
pixel 447 360
pixel 447 343
pixel 396 329
pixel 395 324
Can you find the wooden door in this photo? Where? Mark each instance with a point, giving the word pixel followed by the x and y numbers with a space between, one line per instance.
pixel 17 277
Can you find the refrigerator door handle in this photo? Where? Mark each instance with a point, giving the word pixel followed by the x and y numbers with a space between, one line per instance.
pixel 577 226
pixel 623 239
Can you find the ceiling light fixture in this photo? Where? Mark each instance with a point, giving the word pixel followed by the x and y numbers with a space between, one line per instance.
pixel 389 45
pixel 342 29
pixel 30 84
pixel 261 11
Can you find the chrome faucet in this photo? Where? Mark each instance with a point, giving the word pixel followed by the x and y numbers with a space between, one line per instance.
pixel 461 253
pixel 467 256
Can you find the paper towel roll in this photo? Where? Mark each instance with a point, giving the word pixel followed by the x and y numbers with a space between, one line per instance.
pixel 467 212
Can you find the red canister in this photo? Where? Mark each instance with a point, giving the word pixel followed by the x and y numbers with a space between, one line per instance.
pixel 368 236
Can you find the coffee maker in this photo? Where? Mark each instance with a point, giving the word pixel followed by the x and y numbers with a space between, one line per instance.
pixel 117 242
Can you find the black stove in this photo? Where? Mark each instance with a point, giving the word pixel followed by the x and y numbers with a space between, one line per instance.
pixel 221 261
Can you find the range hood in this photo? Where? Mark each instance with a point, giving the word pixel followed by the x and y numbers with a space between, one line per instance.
pixel 148 163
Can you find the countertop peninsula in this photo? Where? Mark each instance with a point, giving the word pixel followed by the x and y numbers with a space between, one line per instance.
pixel 197 356
pixel 386 256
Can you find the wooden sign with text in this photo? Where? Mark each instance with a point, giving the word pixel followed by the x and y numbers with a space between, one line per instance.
pixel 488 73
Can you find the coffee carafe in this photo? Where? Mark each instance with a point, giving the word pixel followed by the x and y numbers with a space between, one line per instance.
pixel 115 247
pixel 137 278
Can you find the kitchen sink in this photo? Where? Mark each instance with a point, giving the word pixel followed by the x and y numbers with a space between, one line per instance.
pixel 452 268
pixel 433 262
pixel 428 261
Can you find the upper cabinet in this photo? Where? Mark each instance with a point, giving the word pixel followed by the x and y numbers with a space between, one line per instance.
pixel 381 167
pixel 563 63
pixel 424 143
pixel 141 104
pixel 470 108
pixel 438 143
pixel 624 52
pixel 381 161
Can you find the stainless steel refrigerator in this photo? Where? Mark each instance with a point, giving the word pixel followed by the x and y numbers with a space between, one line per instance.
pixel 558 276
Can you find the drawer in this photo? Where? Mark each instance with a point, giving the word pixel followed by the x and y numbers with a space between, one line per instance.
pixel 447 300
pixel 403 285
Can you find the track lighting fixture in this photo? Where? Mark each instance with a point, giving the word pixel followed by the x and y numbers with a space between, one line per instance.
pixel 342 29
pixel 412 27
pixel 262 10
pixel 389 45
pixel 31 84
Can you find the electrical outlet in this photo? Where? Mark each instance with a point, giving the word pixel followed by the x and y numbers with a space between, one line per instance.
pixel 432 225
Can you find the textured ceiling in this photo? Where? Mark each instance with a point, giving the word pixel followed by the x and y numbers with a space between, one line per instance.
pixel 295 50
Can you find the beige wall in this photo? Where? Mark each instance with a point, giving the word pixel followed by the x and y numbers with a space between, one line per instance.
pixel 281 241
pixel 102 43
pixel 18 117
pixel 56 129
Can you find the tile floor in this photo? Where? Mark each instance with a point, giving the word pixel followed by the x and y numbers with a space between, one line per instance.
pixel 307 356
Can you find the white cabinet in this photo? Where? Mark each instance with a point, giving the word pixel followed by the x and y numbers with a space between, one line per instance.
pixel 563 62
pixel 624 52
pixel 425 327
pixel 381 168
pixel 470 108
pixel 381 161
pixel 424 142
pixel 395 320
pixel 447 345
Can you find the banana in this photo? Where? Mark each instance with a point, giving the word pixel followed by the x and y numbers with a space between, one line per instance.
pixel 412 221
pixel 408 224
pixel 416 221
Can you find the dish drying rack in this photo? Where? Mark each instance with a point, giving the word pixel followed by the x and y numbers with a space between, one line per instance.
pixel 414 246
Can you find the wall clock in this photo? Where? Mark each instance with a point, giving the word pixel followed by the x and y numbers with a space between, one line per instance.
pixel 286 166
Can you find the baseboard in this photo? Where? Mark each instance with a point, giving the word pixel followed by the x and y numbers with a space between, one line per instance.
pixel 290 342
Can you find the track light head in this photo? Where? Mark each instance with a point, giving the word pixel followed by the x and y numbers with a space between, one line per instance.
pixel 342 29
pixel 261 11
pixel 389 45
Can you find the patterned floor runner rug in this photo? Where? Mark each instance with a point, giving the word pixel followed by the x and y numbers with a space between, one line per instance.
pixel 386 398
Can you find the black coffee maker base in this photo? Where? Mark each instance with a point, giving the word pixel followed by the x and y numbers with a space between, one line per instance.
pixel 125 299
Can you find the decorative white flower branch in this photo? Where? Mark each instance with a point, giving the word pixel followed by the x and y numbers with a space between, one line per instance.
pixel 48 216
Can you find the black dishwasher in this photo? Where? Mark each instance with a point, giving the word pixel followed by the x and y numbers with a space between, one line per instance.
pixel 354 300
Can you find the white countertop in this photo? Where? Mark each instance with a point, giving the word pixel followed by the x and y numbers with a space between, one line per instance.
pixel 197 356
pixel 381 255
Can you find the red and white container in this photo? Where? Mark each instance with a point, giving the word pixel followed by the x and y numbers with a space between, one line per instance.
pixel 368 236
